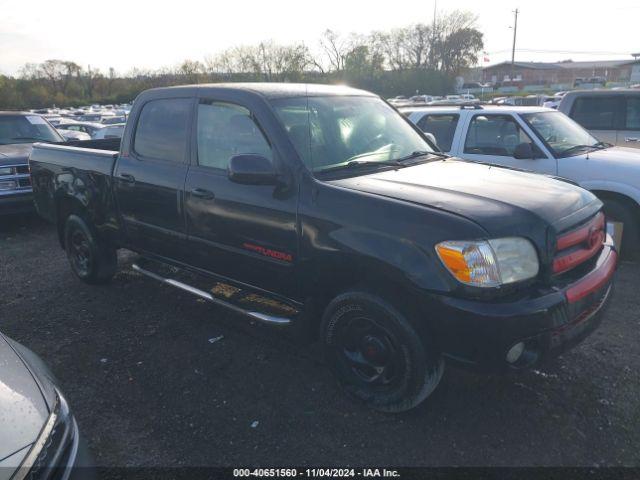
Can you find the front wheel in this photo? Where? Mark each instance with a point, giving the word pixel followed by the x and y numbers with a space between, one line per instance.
pixel 376 354
pixel 620 212
pixel 92 261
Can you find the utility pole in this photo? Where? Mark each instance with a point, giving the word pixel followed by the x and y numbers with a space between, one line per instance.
pixel 513 49
pixel 432 52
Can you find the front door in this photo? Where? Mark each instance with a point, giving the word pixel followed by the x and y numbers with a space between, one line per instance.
pixel 149 182
pixel 493 138
pixel 244 232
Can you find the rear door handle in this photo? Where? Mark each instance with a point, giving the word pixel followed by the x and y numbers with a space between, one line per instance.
pixel 127 177
pixel 632 139
pixel 202 193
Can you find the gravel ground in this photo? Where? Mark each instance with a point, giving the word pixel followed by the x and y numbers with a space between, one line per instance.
pixel 156 377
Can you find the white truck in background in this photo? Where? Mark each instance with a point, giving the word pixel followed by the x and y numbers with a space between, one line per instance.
pixel 545 141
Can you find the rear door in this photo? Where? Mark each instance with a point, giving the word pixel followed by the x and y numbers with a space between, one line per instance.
pixel 602 115
pixel 247 233
pixel 493 138
pixel 629 136
pixel 149 181
pixel 442 126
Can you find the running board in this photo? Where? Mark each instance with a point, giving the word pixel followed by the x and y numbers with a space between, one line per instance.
pixel 262 317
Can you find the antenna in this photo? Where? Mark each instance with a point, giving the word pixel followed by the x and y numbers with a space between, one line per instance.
pixel 513 49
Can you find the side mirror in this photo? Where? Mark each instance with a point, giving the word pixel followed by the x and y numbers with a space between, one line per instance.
pixel 252 169
pixel 432 138
pixel 523 151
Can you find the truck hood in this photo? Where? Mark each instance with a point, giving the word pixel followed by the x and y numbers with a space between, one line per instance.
pixel 501 200
pixel 618 156
pixel 23 410
pixel 15 153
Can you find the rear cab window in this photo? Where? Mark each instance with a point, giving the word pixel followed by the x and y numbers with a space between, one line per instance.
pixel 161 131
pixel 442 126
pixel 632 113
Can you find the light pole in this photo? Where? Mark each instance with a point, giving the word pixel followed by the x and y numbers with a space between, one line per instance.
pixel 513 49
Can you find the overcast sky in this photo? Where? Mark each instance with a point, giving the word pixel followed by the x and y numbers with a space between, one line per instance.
pixel 150 34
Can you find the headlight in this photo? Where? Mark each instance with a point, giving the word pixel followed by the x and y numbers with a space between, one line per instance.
pixel 490 263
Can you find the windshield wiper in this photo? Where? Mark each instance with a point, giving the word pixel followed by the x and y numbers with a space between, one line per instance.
pixel 422 153
pixel 595 146
pixel 352 164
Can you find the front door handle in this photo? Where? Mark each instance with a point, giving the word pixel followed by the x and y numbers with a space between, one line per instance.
pixel 202 193
pixel 632 139
pixel 127 177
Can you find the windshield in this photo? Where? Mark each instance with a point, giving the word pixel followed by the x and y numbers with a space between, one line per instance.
pixel 332 131
pixel 561 134
pixel 26 129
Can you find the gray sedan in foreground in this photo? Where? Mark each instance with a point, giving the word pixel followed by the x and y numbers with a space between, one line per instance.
pixel 39 436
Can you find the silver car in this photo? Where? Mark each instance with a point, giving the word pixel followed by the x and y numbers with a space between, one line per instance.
pixel 39 436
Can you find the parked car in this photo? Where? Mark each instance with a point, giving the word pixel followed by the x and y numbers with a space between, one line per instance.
pixel 554 101
pixel 612 116
pixel 545 141
pixel 91 117
pixel 422 98
pixel 321 209
pixel 89 128
pixel 114 119
pixel 18 132
pixel 39 436
pixel 110 131
pixel 72 135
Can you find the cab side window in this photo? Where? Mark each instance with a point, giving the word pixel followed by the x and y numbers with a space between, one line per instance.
pixel 161 132
pixel 442 126
pixel 496 135
pixel 225 130
pixel 596 113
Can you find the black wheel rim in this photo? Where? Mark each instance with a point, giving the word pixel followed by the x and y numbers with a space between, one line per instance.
pixel 369 352
pixel 80 252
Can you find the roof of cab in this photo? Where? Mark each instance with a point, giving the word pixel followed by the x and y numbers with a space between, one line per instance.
pixel 274 90
pixel 485 108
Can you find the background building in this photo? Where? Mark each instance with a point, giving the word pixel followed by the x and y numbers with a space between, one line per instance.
pixel 562 73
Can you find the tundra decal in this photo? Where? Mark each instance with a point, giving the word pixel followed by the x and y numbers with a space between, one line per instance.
pixel 267 252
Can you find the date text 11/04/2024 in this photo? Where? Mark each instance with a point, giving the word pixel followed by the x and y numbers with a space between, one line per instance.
pixel 316 472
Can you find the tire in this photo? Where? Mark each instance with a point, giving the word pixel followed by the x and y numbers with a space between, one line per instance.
pixel 376 354
pixel 623 213
pixel 94 262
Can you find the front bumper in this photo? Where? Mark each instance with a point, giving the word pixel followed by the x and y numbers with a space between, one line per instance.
pixel 14 203
pixel 479 334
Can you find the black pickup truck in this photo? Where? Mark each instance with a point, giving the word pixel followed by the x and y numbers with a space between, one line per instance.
pixel 322 210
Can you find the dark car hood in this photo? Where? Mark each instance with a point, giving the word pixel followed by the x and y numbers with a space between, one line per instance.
pixel 23 410
pixel 15 153
pixel 501 200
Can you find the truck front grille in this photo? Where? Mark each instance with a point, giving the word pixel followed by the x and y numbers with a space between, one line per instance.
pixel 14 179
pixel 579 245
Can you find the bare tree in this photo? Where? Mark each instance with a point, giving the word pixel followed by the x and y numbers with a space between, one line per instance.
pixel 418 43
pixel 334 48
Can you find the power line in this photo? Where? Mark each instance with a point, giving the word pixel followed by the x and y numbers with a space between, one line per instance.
pixel 575 52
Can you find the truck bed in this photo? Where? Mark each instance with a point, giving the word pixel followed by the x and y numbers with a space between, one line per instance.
pixel 59 169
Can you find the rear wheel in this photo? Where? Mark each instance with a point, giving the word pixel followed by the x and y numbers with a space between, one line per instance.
pixel 618 211
pixel 92 260
pixel 376 354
